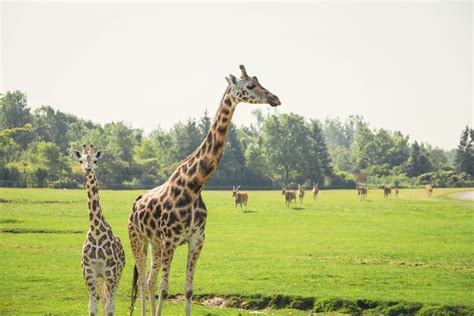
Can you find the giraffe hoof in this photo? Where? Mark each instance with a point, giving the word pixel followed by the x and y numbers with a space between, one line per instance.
pixel 189 294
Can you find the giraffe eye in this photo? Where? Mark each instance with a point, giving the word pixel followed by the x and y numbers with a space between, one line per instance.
pixel 251 86
pixel 95 161
pixel 80 160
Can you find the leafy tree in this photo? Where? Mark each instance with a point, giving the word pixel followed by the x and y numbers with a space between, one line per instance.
pixel 232 164
pixel 284 144
pixel 46 162
pixel 464 160
pixel 14 110
pixel 52 126
pixel 205 124
pixel 418 162
pixel 14 113
pixel 186 137
pixel 319 160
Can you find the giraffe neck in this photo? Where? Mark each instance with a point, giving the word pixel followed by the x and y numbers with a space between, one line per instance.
pixel 197 169
pixel 95 212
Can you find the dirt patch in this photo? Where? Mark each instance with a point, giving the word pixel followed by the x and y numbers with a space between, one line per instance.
pixel 37 231
pixel 5 201
pixel 469 195
pixel 414 264
pixel 356 307
pixel 214 302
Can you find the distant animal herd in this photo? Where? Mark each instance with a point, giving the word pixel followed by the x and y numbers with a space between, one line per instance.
pixel 290 196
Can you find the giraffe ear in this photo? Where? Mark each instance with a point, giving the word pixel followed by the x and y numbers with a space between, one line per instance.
pixel 231 79
pixel 76 154
pixel 99 154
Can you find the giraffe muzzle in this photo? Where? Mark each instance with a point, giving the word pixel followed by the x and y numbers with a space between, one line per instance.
pixel 274 101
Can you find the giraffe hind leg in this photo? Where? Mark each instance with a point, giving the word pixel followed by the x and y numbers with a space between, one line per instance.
pixel 153 274
pixel 194 250
pixel 167 253
pixel 139 250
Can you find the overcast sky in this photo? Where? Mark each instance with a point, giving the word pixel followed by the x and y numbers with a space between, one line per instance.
pixel 402 65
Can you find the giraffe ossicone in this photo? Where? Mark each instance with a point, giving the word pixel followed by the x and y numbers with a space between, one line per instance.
pixel 174 213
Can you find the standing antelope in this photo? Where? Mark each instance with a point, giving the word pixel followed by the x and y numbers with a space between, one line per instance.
pixel 397 192
pixel 361 192
pixel 429 189
pixel 386 191
pixel 239 197
pixel 301 193
pixel 289 196
pixel 315 190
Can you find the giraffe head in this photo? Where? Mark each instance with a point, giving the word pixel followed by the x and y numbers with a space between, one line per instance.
pixel 247 89
pixel 88 158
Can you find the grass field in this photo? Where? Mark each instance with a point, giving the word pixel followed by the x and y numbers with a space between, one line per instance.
pixel 411 249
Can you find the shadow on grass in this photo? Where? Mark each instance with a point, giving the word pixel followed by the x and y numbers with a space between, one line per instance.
pixel 9 221
pixel 38 231
pixel 249 211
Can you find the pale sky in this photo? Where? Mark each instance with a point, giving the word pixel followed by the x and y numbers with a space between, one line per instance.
pixel 404 66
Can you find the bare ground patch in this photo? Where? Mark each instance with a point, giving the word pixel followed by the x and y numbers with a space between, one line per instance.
pixel 414 264
pixel 324 305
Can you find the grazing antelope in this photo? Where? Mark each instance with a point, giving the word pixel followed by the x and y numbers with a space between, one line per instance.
pixel 239 197
pixel 397 192
pixel 289 196
pixel 315 190
pixel 386 191
pixel 429 189
pixel 301 193
pixel 361 192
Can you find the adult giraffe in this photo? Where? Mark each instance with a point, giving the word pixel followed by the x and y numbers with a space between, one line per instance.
pixel 174 213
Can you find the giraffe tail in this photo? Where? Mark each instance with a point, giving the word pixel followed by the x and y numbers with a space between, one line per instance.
pixel 134 295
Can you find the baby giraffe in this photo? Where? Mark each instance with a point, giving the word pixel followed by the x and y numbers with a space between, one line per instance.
pixel 103 257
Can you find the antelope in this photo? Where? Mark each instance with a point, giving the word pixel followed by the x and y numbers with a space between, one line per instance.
pixel 239 197
pixel 396 193
pixel 386 191
pixel 301 193
pixel 315 190
pixel 429 189
pixel 289 196
pixel 361 192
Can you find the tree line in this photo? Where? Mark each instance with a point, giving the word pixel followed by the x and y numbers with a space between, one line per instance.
pixel 275 150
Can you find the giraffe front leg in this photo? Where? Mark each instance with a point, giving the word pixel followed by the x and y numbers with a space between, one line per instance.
pixel 93 307
pixel 194 250
pixel 89 277
pixel 113 274
pixel 167 252
pixel 153 274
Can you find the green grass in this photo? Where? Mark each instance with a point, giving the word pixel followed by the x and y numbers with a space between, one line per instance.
pixel 337 249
